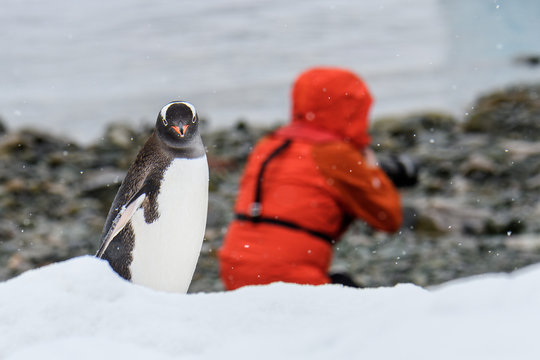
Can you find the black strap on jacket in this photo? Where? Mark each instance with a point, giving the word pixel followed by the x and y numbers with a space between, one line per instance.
pixel 255 208
pixel 287 224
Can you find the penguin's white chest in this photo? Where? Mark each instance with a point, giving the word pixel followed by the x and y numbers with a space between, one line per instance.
pixel 166 251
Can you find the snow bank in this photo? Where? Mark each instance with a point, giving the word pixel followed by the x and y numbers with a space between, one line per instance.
pixel 80 309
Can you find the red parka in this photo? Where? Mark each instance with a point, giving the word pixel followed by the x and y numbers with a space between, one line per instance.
pixel 303 185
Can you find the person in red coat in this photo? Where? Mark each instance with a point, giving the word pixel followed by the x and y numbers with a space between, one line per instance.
pixel 304 184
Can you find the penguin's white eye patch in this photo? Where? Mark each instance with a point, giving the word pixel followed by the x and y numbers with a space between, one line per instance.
pixel 193 111
pixel 164 114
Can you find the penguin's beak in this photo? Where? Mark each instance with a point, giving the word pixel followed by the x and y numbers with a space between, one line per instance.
pixel 181 131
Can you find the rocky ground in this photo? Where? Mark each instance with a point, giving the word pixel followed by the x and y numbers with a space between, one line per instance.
pixel 474 210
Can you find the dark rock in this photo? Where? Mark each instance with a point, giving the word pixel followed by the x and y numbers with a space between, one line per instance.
pixel 219 211
pixel 512 113
pixel 411 130
pixel 102 185
pixel 3 127
pixel 528 60
pixel 478 167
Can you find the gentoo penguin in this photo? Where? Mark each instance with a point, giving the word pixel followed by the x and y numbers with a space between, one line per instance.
pixel 155 227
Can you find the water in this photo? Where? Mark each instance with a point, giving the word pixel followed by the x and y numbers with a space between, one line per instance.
pixel 70 67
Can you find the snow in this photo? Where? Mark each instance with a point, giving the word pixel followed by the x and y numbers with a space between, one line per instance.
pixel 80 309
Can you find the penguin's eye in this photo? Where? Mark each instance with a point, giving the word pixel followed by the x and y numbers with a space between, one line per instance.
pixel 165 122
pixel 193 120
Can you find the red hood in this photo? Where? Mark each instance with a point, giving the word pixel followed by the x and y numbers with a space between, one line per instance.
pixel 335 100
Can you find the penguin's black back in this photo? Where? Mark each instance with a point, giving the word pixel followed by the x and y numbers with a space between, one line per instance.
pixel 144 175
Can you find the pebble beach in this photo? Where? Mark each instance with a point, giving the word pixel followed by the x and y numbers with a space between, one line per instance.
pixel 474 210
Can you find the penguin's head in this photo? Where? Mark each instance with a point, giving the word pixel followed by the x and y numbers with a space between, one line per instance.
pixel 177 123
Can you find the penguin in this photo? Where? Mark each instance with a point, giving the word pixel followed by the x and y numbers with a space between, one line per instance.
pixel 154 230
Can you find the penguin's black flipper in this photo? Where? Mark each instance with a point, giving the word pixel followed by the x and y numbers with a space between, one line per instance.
pixel 121 220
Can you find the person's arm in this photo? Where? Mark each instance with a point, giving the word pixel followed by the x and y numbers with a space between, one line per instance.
pixel 365 190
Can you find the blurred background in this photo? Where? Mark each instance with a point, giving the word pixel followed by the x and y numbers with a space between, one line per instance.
pixel 456 86
pixel 75 66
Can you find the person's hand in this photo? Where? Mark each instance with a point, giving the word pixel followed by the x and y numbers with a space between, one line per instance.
pixel 369 157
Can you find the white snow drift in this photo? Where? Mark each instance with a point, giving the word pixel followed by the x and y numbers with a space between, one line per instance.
pixel 80 309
